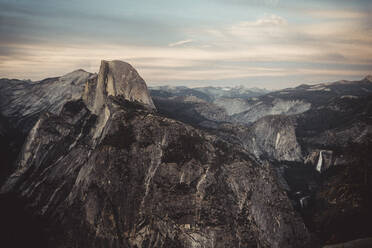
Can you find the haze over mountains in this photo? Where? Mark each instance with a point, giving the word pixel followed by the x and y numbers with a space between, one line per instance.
pixel 100 160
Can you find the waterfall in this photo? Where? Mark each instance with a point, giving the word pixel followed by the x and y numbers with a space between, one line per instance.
pixel 320 162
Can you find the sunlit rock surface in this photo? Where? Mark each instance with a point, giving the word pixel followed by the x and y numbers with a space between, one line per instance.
pixel 116 78
pixel 274 137
pixel 23 101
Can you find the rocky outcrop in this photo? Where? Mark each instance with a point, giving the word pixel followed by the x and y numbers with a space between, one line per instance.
pixel 116 78
pixel 273 138
pixel 276 106
pixel 21 102
pixel 368 78
pixel 148 181
pixel 322 159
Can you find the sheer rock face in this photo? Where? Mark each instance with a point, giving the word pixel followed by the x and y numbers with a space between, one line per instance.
pixel 148 181
pixel 271 138
pixel 274 138
pixel 116 78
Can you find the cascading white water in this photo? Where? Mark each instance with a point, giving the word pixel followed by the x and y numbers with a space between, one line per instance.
pixel 320 162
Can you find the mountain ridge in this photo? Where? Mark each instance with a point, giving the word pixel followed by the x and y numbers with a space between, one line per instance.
pixel 116 170
pixel 144 179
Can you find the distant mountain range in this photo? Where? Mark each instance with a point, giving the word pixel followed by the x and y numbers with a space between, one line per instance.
pixel 318 137
pixel 208 93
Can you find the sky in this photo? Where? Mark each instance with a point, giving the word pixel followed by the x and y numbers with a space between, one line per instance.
pixel 269 44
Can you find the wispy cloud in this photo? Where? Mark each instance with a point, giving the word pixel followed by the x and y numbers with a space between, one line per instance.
pixel 270 20
pixel 238 42
pixel 180 43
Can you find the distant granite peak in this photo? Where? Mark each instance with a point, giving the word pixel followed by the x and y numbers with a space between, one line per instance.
pixel 368 77
pixel 116 78
pixel 78 76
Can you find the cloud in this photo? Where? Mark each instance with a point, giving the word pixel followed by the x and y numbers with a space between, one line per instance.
pixel 164 64
pixel 306 45
pixel 39 21
pixel 275 38
pixel 271 20
pixel 180 43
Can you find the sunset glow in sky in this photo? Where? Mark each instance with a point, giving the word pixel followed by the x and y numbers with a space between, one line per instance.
pixel 267 43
